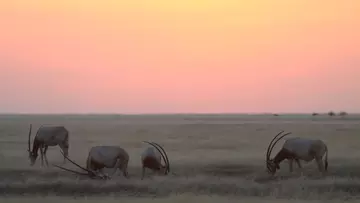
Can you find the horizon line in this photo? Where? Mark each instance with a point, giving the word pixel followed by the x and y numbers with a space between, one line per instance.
pixel 178 113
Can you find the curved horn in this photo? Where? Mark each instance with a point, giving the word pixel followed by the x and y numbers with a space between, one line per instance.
pixel 154 145
pixel 73 162
pixel 29 144
pixel 278 141
pixel 167 159
pixel 37 132
pixel 76 172
pixel 268 149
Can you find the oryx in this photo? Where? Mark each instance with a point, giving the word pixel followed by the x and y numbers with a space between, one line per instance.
pixel 101 157
pixel 297 149
pixel 48 136
pixel 151 158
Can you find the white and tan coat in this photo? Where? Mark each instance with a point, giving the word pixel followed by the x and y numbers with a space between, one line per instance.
pixel 296 149
pixel 151 159
pixel 101 157
pixel 48 136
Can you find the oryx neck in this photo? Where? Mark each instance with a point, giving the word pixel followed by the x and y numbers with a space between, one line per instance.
pixel 36 146
pixel 282 154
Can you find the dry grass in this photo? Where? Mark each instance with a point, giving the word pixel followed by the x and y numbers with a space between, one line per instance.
pixel 214 156
pixel 174 199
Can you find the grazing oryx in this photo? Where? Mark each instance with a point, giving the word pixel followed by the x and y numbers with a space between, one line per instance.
pixel 101 157
pixel 48 136
pixel 297 149
pixel 151 158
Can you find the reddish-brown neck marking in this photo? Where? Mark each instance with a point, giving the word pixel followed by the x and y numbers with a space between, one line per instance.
pixel 284 154
pixel 36 146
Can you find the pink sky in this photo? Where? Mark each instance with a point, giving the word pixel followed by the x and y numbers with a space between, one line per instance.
pixel 157 56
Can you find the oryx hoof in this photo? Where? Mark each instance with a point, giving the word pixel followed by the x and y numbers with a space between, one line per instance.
pixel 105 177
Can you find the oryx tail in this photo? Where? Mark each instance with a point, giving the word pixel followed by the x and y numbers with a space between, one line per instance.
pixel 326 158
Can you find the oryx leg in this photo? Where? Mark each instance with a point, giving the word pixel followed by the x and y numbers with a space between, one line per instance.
pixel 65 149
pixel 124 167
pixel 102 172
pixel 320 164
pixel 42 155
pixel 291 165
pixel 46 160
pixel 121 166
pixel 143 173
pixel 299 165
pixel 116 166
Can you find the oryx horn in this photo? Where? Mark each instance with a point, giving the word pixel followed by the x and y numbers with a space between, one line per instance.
pixel 29 144
pixel 165 157
pixel 272 145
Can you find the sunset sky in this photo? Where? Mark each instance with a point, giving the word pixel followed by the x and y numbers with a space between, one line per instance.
pixel 188 56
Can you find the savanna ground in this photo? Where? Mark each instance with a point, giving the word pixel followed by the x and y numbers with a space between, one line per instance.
pixel 214 158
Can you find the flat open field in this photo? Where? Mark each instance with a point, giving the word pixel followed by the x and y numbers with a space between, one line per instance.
pixel 214 158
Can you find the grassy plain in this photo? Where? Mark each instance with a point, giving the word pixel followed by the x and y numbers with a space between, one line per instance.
pixel 214 158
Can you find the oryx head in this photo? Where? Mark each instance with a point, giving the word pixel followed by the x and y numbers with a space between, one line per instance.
pixel 164 169
pixel 32 156
pixel 271 165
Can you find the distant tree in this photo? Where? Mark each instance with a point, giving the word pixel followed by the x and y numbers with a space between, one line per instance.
pixel 275 114
pixel 331 113
pixel 343 113
pixel 315 114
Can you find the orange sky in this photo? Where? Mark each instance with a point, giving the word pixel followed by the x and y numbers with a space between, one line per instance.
pixel 160 56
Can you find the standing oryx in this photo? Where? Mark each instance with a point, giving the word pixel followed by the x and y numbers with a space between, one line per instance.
pixel 297 149
pixel 101 157
pixel 151 158
pixel 48 136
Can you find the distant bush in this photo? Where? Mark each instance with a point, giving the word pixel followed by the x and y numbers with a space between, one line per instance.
pixel 315 114
pixel 331 113
pixel 343 113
